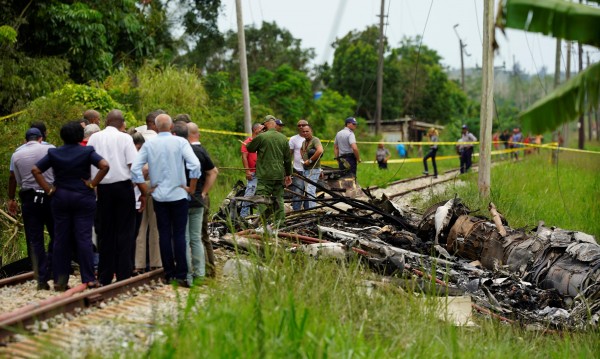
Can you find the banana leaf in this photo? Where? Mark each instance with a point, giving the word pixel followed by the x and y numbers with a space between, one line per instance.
pixel 557 18
pixel 567 102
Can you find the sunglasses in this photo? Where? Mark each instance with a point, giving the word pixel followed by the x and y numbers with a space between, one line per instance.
pixel 302 125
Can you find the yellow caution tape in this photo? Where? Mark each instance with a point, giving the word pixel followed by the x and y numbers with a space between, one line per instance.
pixel 12 115
pixel 521 145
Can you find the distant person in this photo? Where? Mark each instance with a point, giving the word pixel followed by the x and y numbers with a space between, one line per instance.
pixel 539 139
pixel 515 142
pixel 73 203
pixel 505 137
pixel 249 163
pixel 345 147
pixel 496 140
pixel 273 169
pixel 295 143
pixel 401 150
pixel 466 149
pixel 382 155
pixel 433 137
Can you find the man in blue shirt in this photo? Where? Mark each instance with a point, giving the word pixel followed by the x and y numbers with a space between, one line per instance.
pixel 167 157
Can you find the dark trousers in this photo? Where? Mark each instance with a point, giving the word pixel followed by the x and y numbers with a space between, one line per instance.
pixel 466 159
pixel 37 213
pixel 73 214
pixel 116 231
pixel 431 154
pixel 208 249
pixel 171 220
pixel 351 160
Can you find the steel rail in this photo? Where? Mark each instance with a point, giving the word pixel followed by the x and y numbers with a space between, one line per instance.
pixel 16 279
pixel 15 322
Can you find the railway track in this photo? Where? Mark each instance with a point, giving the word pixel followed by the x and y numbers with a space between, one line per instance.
pixel 78 298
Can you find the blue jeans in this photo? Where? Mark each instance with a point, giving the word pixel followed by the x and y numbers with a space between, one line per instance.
pixel 298 189
pixel 311 190
pixel 171 220
pixel 250 191
pixel 193 239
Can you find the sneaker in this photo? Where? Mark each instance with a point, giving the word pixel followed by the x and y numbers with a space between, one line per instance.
pixel 435 177
pixel 426 173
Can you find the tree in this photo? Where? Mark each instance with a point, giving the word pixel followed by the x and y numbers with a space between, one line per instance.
pixel 568 21
pixel 415 83
pixel 354 69
pixel 286 91
pixel 267 47
pixel 94 36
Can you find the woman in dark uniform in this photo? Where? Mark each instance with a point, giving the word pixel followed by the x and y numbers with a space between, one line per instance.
pixel 73 202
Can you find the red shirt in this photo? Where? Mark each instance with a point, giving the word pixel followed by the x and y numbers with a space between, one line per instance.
pixel 251 156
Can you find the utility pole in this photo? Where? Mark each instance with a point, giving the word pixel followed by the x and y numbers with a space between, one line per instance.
pixel 487 101
pixel 557 64
pixel 380 72
pixel 590 109
pixel 566 133
pixel 581 124
pixel 462 62
pixel 243 67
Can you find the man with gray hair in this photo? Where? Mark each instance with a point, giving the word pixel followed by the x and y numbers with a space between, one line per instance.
pixel 167 157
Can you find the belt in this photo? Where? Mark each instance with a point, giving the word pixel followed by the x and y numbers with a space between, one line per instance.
pixel 347 155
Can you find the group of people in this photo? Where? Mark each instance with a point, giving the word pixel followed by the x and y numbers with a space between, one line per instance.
pixel 270 159
pixel 146 189
pixel 516 140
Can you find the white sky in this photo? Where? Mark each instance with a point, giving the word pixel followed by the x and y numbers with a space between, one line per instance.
pixel 313 21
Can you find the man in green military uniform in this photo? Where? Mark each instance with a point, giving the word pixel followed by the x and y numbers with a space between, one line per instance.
pixel 273 168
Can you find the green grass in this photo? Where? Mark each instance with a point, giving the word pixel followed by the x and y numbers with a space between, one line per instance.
pixel 300 307
pixel 566 195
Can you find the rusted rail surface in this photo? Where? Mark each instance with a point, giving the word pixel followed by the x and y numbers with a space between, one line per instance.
pixel 17 279
pixel 15 322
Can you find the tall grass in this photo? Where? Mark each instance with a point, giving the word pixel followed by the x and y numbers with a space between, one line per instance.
pixel 565 195
pixel 297 307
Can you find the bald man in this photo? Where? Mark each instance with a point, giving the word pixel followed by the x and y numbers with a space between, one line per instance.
pixel 92 116
pixel 167 157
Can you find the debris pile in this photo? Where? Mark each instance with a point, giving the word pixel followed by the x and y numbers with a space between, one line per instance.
pixel 548 277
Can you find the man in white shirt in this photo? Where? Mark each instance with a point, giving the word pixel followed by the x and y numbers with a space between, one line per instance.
pixel 116 200
pixel 296 142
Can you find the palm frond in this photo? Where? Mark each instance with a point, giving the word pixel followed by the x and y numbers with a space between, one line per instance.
pixel 557 18
pixel 568 101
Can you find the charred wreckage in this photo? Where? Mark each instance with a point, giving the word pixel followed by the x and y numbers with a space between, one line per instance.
pixel 545 277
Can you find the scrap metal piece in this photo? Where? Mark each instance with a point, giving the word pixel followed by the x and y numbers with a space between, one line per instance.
pixel 497 218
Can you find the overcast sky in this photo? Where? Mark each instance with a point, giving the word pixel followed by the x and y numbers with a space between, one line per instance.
pixel 314 22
